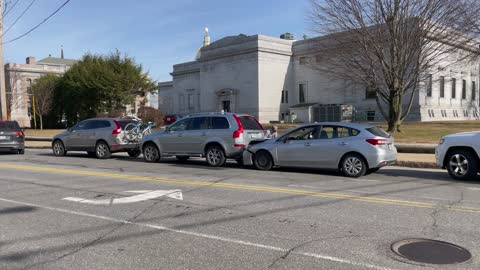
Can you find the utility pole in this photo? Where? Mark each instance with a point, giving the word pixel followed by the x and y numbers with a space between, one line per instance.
pixel 3 94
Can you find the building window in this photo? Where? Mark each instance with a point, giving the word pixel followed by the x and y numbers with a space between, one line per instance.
pixel 464 89
pixel 284 96
pixel 474 91
pixel 370 116
pixel 429 85
pixel 442 86
pixel 302 60
pixel 191 101
pixel 370 92
pixel 302 92
pixel 454 87
pixel 182 102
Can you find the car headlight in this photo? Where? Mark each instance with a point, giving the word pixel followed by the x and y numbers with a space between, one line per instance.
pixel 442 140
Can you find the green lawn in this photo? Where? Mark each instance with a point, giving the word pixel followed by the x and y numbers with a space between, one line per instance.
pixel 418 132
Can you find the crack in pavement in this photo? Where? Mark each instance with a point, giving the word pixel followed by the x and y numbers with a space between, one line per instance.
pixel 293 249
pixel 434 227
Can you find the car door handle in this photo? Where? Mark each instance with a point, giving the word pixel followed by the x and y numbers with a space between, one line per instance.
pixel 343 143
pixel 308 144
pixel 204 134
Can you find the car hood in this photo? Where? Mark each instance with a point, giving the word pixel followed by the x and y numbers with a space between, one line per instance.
pixel 462 134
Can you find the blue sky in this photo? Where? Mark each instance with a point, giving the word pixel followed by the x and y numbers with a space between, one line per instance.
pixel 157 33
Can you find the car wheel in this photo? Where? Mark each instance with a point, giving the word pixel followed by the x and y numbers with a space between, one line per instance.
pixel 151 153
pixel 262 160
pixel 462 165
pixel 182 158
pixel 102 150
pixel 58 149
pixel 374 170
pixel 134 153
pixel 21 152
pixel 353 165
pixel 215 156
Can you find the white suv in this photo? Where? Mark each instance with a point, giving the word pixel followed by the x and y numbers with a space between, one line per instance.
pixel 459 153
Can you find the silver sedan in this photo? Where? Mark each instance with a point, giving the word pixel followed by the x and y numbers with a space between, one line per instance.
pixel 353 149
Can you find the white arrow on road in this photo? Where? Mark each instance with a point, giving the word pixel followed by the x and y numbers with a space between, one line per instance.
pixel 142 196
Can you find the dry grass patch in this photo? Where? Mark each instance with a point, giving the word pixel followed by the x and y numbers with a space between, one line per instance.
pixel 42 133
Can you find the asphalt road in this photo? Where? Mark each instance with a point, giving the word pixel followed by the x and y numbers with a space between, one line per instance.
pixel 229 218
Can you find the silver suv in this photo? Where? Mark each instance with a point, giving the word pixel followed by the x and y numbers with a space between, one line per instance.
pixel 99 137
pixel 215 136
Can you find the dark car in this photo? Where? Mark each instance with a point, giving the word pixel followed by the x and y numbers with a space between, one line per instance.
pixel 171 118
pixel 12 138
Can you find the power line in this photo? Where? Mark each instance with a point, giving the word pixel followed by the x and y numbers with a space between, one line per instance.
pixel 19 17
pixel 38 25
pixel 10 9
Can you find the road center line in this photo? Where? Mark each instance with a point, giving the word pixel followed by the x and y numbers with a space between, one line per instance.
pixel 243 187
pixel 200 235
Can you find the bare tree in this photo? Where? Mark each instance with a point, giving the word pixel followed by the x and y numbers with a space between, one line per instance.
pixel 390 46
pixel 43 91
pixel 15 94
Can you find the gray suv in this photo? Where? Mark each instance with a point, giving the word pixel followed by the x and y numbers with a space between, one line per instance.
pixel 215 136
pixel 99 137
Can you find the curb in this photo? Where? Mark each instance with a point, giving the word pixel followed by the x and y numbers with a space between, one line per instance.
pixel 38 139
pixel 417 165
pixel 416 148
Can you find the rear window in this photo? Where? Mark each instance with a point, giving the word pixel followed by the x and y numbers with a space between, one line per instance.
pixel 124 123
pixel 249 123
pixel 378 132
pixel 220 123
pixel 9 125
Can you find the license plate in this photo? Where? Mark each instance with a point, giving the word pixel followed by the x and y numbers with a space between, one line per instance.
pixel 390 147
pixel 3 137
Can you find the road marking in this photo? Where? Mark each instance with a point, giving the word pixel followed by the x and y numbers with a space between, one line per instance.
pixel 143 196
pixel 244 187
pixel 201 235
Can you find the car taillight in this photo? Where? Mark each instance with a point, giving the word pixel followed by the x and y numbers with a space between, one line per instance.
pixel 118 128
pixel 377 142
pixel 237 133
pixel 20 134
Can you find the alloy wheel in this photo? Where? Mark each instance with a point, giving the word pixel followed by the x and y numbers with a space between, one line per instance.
pixel 58 148
pixel 459 164
pixel 214 156
pixel 150 153
pixel 353 165
pixel 101 150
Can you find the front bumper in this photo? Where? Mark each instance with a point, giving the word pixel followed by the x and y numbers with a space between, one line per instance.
pixel 247 158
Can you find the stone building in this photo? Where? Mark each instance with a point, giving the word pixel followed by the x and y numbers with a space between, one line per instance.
pixel 19 79
pixel 269 77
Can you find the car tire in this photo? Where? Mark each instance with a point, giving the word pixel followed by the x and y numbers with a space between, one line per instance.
pixel 374 170
pixel 134 153
pixel 58 148
pixel 102 150
pixel 262 160
pixel 215 156
pixel 353 165
pixel 462 165
pixel 151 154
pixel 182 158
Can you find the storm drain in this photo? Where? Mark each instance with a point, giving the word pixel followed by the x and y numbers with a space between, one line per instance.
pixel 430 251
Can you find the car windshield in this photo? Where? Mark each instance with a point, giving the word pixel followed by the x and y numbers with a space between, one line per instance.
pixel 9 126
pixel 377 131
pixel 249 123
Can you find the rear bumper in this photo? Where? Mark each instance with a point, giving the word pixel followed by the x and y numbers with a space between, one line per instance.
pixel 123 147
pixel 11 147
pixel 383 158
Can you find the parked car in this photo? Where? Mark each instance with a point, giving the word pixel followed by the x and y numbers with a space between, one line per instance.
pixel 353 149
pixel 171 118
pixel 215 136
pixel 12 138
pixel 459 154
pixel 99 137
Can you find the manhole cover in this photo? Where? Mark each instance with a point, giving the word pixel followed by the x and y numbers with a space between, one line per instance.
pixel 430 251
